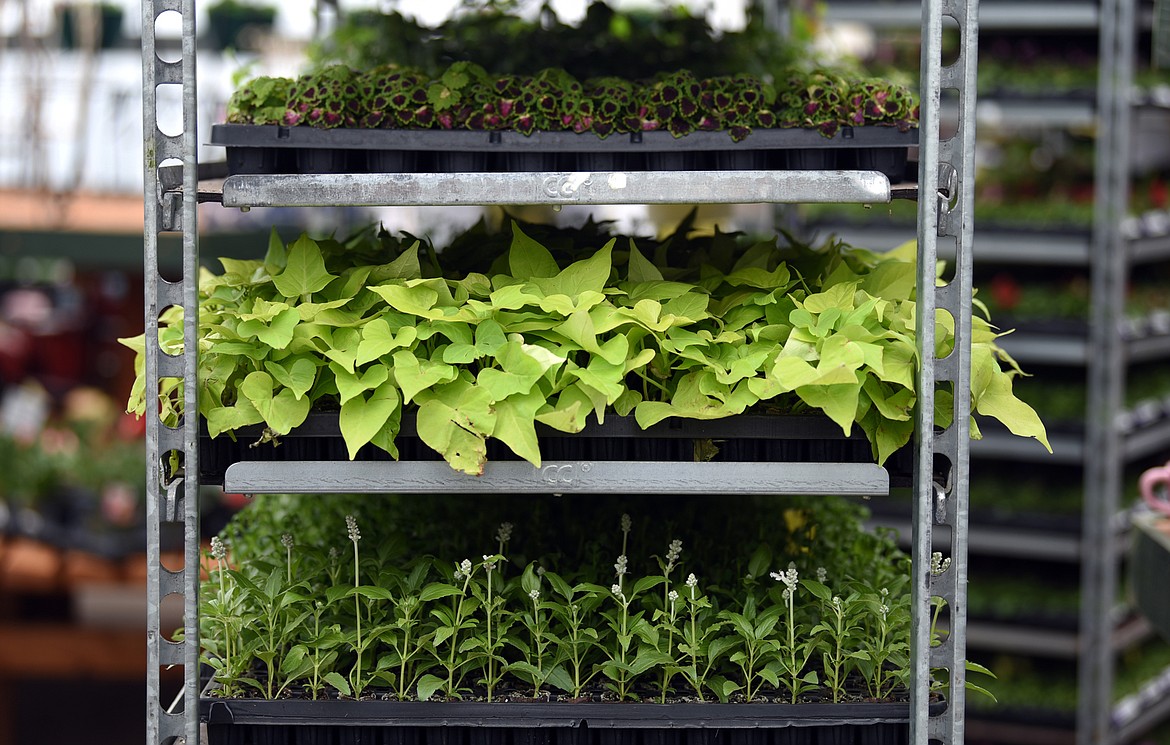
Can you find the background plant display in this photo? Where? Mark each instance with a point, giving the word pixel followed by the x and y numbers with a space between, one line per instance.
pixel 465 96
pixel 606 41
pixel 708 328
pixel 314 597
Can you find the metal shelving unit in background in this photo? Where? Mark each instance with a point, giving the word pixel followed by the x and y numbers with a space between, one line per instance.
pixel 944 181
pixel 1116 245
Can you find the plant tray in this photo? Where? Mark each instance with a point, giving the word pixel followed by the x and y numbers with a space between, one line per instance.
pixel 744 438
pixel 273 149
pixel 1151 568
pixel 335 722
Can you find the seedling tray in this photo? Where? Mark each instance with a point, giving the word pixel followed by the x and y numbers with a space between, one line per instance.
pixel 744 438
pixel 336 722
pixel 272 149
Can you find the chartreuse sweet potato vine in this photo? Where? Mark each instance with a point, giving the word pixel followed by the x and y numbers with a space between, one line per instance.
pixel 690 329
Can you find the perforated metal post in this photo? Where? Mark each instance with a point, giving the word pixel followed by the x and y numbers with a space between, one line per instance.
pixel 1104 453
pixel 170 450
pixel 945 208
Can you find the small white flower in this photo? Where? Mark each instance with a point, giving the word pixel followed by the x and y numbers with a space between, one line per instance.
pixel 534 594
pixel 787 594
pixel 672 596
pixel 616 589
pixel 218 548
pixel 692 580
pixel 286 540
pixel 621 566
pixel 333 554
pixel 458 571
pixel 822 575
pixel 884 610
pixel 504 534
pixel 488 564
pixel 351 528
pixel 939 565
pixel 540 571
pixel 788 578
pixel 465 568
pixel 837 602
pixel 672 553
pixel 626 523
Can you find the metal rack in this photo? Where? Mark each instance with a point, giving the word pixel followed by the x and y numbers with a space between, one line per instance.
pixel 941 477
pixel 1111 250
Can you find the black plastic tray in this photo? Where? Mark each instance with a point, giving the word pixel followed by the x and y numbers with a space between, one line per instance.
pixel 744 438
pixel 272 149
pixel 301 722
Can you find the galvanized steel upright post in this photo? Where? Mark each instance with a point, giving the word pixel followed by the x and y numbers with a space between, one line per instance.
pixel 945 210
pixel 171 450
pixel 1104 462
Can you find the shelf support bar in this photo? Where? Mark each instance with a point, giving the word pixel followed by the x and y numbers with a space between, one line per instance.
pixel 1104 448
pixel 171 447
pixel 945 210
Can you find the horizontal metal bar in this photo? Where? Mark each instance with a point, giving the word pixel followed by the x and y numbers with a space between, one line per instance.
pixel 169 652
pixel 1146 250
pixel 576 477
pixel 1036 113
pixel 1138 713
pixel 1005 15
pixel 1044 349
pixel 1147 441
pixel 580 187
pixel 167 72
pixel 1066 449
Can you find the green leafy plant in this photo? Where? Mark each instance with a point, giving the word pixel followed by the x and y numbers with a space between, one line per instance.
pixel 709 329
pixel 466 96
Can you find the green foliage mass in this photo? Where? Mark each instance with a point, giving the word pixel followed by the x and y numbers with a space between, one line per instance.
pixel 565 332
pixel 466 96
pixel 681 612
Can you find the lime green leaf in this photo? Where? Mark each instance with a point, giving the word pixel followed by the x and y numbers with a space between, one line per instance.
pixel 296 374
pixel 378 339
pixel 455 422
pixel 569 413
pixel 334 679
pixel 305 272
pixel 998 401
pixel 276 259
pixel 351 384
pixel 362 418
pixel 587 275
pixel 276 334
pixel 640 268
pixel 839 402
pixel 527 259
pixel 515 425
pixel 414 375
pixel 282 411
pixel 417 301
pixel 228 418
pixel 404 267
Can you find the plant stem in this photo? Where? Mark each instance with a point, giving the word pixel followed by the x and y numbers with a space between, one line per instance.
pixel 357 599
pixel 491 661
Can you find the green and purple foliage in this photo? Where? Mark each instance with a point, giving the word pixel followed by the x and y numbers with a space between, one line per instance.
pixel 814 101
pixel 465 96
pixel 395 97
pixel 261 100
pixel 327 99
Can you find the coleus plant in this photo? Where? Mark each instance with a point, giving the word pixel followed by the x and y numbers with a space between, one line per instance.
pixel 705 330
pixel 465 96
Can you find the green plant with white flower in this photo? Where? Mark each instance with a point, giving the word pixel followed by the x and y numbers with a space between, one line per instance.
pixel 796 646
pixel 396 622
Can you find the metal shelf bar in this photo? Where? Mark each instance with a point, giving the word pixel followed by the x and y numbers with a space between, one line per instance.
pixel 1135 714
pixel 1039 16
pixel 580 187
pixel 1147 441
pixel 575 477
pixel 1035 113
pixel 1046 349
pixel 1066 449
